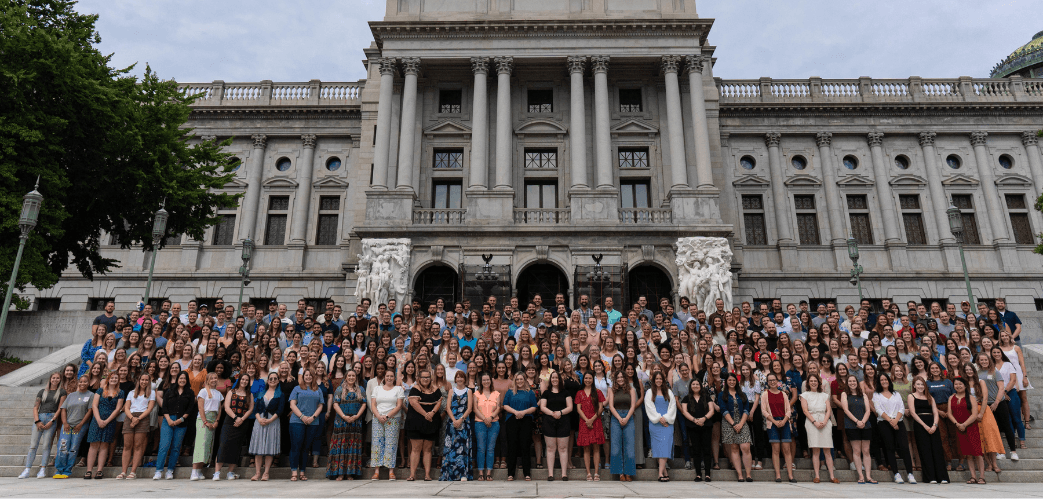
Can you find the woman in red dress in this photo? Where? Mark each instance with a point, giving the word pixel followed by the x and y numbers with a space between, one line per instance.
pixel 963 412
pixel 589 401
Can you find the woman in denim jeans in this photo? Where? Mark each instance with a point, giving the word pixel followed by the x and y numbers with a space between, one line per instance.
pixel 76 414
pixel 45 415
pixel 486 424
pixel 177 408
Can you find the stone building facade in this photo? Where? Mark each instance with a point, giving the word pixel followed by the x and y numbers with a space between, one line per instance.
pixel 565 145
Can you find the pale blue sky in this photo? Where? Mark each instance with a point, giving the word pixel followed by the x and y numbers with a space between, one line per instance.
pixel 235 40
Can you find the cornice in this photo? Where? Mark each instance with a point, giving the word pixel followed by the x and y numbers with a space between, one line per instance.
pixel 267 112
pixel 397 30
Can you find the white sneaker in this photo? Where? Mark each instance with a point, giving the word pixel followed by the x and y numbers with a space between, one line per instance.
pixel 25 474
pixel 945 482
pixel 1013 455
pixel 933 482
pixel 898 478
pixel 232 476
pixel 1001 456
pixel 851 466
pixel 42 473
pixel 170 475
pixel 217 476
pixel 912 479
pixel 196 475
pixel 158 475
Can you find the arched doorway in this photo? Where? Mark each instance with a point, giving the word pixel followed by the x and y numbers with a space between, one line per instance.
pixel 437 281
pixel 543 278
pixel 652 283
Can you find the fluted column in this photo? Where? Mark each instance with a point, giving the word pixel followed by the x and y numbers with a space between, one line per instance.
pixel 939 202
pixel 410 68
pixel 883 187
pixel 479 167
pixel 703 168
pixel 1031 142
pixel 504 155
pixel 678 165
pixel 602 135
pixel 382 148
pixel 779 195
pixel 302 201
pixel 254 171
pixel 987 177
pixel 837 228
pixel 578 123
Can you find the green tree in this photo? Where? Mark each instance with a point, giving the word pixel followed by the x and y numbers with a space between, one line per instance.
pixel 108 149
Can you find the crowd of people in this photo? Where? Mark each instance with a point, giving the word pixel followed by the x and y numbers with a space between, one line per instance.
pixel 523 386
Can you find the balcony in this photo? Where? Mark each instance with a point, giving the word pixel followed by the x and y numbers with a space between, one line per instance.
pixel 542 216
pixel 875 90
pixel 439 216
pixel 267 93
pixel 645 216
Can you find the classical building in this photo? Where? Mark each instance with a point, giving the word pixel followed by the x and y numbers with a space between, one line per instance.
pixel 566 145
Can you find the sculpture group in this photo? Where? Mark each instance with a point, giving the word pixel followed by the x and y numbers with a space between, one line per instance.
pixel 704 271
pixel 383 271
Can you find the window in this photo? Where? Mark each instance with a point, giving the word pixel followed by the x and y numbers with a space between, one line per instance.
pixel 224 231
pixel 753 219
pixel 634 194
pixel 954 162
pixel 447 195
pixel 902 162
pixel 1039 304
pixel 172 240
pixel 449 158
pixel 283 164
pixel 912 219
pixel 633 157
pixel 850 162
pixel 275 228
pixel 48 304
pixel 541 195
pixel 98 304
pixel 541 101
pixel 1019 219
pixel 450 101
pixel 747 162
pixel 799 162
pixel 858 213
pixel 541 158
pixel 329 215
pixel 1006 162
pixel 630 100
pixel 807 219
pixel 970 222
pixel 333 164
pixel 235 162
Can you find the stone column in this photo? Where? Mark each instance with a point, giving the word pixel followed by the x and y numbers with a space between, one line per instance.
pixel 254 172
pixel 779 195
pixel 382 149
pixel 305 170
pixel 987 177
pixel 578 123
pixel 602 135
pixel 504 131
pixel 1031 142
pixel 883 187
pixel 703 167
pixel 479 167
pixel 678 165
pixel 939 202
pixel 834 205
pixel 411 69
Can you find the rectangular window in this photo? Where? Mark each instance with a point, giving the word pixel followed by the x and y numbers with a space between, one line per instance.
pixel 630 100
pixel 633 157
pixel 329 215
pixel 970 222
pixel 449 158
pixel 541 101
pixel 858 214
pixel 447 195
pixel 48 304
pixel 912 219
pixel 1019 219
pixel 634 194
pixel 172 240
pixel 753 220
pixel 96 304
pixel 450 101
pixel 224 231
pixel 541 158
pixel 275 227
pixel 541 195
pixel 807 219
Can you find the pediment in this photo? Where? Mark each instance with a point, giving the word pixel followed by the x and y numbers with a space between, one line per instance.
pixel 279 183
pixel 960 179
pixel 803 180
pixel 1013 179
pixel 330 183
pixel 236 183
pixel 908 180
pixel 635 127
pixel 856 181
pixel 447 128
pixel 751 181
pixel 541 127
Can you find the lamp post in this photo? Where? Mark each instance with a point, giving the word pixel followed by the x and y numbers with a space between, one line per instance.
pixel 26 222
pixel 856 271
pixel 956 227
pixel 244 271
pixel 159 229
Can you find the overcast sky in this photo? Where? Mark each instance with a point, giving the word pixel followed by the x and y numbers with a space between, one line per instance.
pixel 243 41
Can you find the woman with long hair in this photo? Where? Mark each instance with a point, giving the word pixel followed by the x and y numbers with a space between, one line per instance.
pixel 736 434
pixel 590 402
pixel 996 382
pixel 139 405
pixel 1017 361
pixel 178 401
pixel 818 425
pixel 622 404
pixel 456 455
pixel 423 420
pixel 265 439
pixel 857 409
pixel 386 405
pixel 306 404
pixel 963 413
pixel 486 424
pixel 697 409
pixel 238 406
pixel 924 412
pixel 520 403
pixel 991 441
pixel 775 404
pixel 345 454
pixel 47 419
pixel 208 401
pixel 941 388
pixel 890 409
pixel 661 408
pixel 106 408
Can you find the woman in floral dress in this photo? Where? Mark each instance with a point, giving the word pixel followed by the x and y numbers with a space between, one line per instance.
pixel 346 442
pixel 456 455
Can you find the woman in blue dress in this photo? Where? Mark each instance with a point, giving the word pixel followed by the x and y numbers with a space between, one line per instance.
pixel 91 347
pixel 349 403
pixel 107 406
pixel 456 456
pixel 661 408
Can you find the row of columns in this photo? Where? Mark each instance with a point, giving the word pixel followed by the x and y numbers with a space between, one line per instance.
pixel 671 65
pixel 302 203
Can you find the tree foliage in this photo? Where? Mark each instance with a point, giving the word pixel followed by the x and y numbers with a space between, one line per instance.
pixel 108 148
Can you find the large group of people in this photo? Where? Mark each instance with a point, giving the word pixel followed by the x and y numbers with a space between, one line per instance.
pixel 517 386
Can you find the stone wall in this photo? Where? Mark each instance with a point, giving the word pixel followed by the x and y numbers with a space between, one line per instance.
pixel 34 335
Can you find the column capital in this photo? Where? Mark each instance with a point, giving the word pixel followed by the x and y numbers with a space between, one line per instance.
pixel 599 63
pixel 927 139
pixel 979 138
pixel 387 65
pixel 504 65
pixel 695 64
pixel 824 139
pixel 577 64
pixel 772 139
pixel 410 65
pixel 1029 138
pixel 308 141
pixel 208 138
pixel 670 63
pixel 480 65
pixel 875 139
pixel 259 141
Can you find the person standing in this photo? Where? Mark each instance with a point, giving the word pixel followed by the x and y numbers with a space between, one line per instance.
pixel 890 410
pixel 775 404
pixel 520 403
pixel 177 410
pixel 589 403
pixel 622 404
pixel 107 407
pixel 697 409
pixel 306 403
pixel 661 409
pixel 75 412
pixel 963 413
pixel 423 422
pixel 555 405
pixel 46 419
pixel 486 424
pixel 736 436
pixel 386 405
pixel 857 407
pixel 924 412
pixel 141 401
pixel 818 424
pixel 456 452
pixel 238 406
pixel 265 440
pixel 209 401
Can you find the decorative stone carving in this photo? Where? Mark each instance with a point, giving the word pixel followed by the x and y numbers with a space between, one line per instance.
pixel 670 63
pixel 979 138
pixel 824 139
pixel 648 252
pixel 437 252
pixel 504 65
pixel 1029 138
pixel 576 64
pixel 383 271
pixel 542 252
pixel 308 141
pixel 480 65
pixel 208 138
pixel 411 65
pixel 387 66
pixel 695 64
pixel 927 139
pixel 599 63
pixel 875 139
pixel 704 271
pixel 771 139
pixel 259 141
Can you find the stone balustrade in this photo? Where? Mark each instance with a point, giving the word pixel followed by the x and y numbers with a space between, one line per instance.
pixel 267 93
pixel 645 216
pixel 438 216
pixel 542 216
pixel 874 90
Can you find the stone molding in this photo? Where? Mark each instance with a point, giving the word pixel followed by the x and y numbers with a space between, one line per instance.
pixel 208 138
pixel 387 66
pixel 695 64
pixel 594 28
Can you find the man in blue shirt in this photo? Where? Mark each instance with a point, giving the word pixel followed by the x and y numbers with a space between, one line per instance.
pixel 1009 318
pixel 613 315
pixel 108 319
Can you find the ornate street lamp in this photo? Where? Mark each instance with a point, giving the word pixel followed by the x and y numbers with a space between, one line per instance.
pixel 956 227
pixel 244 271
pixel 159 229
pixel 26 223
pixel 856 270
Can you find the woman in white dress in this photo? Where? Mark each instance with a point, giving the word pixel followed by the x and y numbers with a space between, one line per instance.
pixel 818 426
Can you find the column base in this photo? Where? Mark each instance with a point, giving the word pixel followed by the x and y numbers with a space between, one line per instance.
pixel 490 206
pixel 788 256
pixel 190 255
pixel 692 206
pixel 389 207
pixel 896 252
pixel 594 205
pixel 295 255
pixel 1008 256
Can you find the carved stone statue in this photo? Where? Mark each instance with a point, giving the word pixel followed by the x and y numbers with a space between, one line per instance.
pixel 704 271
pixel 383 271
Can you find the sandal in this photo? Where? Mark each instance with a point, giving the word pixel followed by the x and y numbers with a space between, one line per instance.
pixel 87 476
pixel 121 476
pixel 981 481
pixel 131 476
pixel 410 479
pixel 597 478
pixel 972 481
pixel 510 479
pixel 591 478
pixel 255 478
pixel 528 479
pixel 860 482
pixel 293 478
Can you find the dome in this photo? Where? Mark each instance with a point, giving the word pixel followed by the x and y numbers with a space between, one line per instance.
pixel 1026 61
